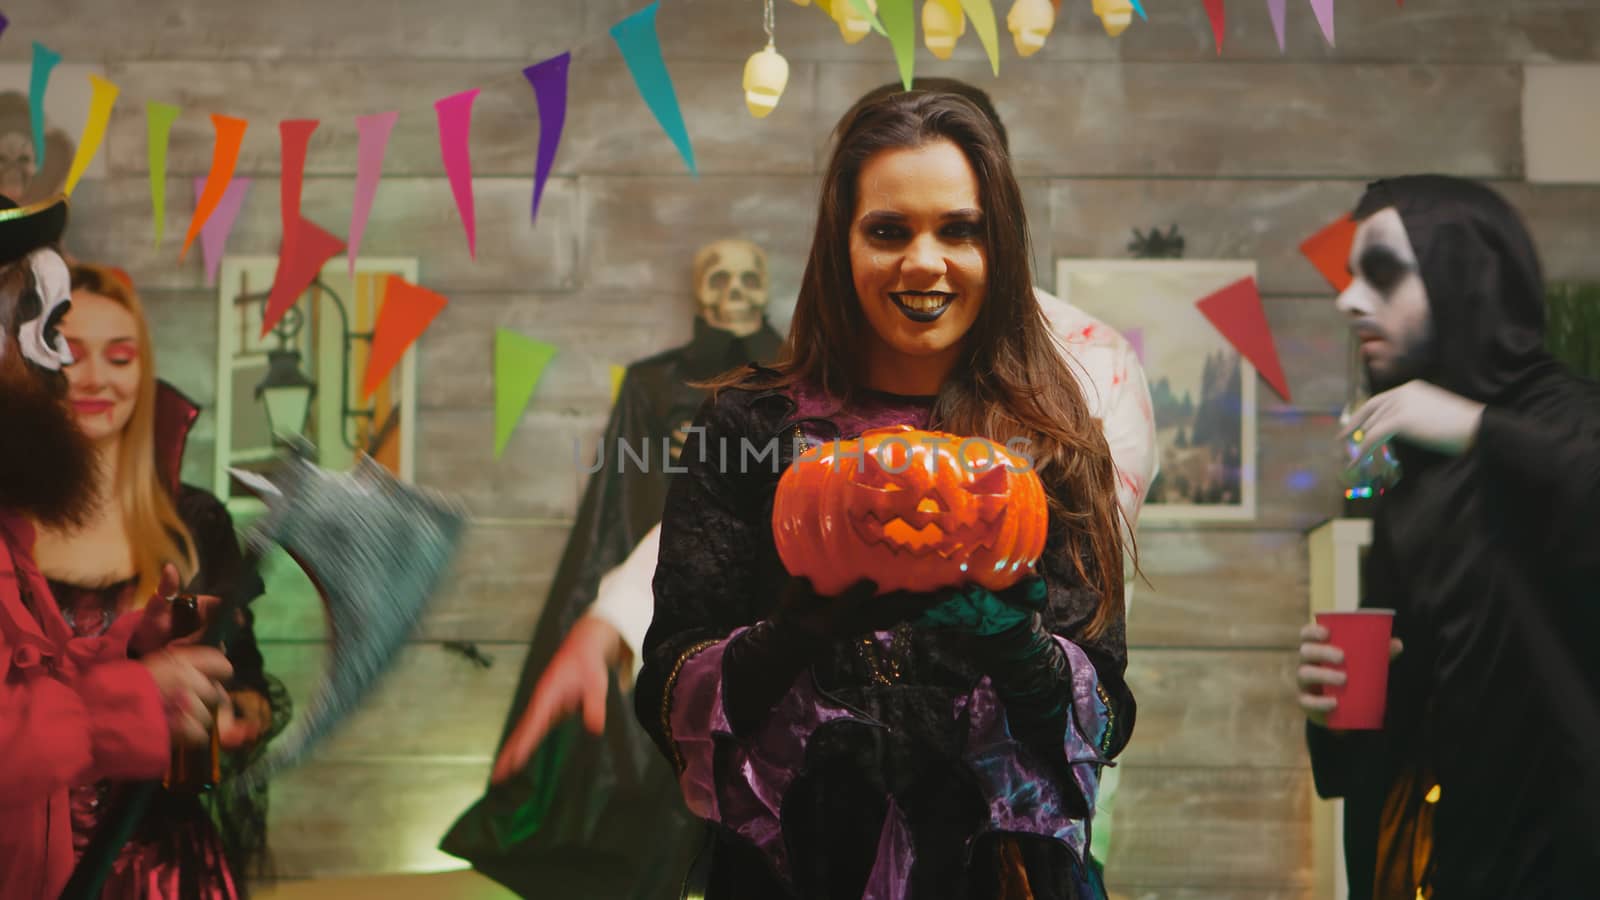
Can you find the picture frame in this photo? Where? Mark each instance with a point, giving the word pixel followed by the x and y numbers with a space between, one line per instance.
pixel 1203 391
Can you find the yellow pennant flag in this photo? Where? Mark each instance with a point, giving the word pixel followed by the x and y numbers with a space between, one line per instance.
pixel 617 374
pixel 94 130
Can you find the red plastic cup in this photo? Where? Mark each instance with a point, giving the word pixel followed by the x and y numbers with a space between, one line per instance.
pixel 1363 635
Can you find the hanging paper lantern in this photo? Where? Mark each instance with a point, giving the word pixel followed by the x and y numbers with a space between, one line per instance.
pixel 765 75
pixel 942 25
pixel 1030 22
pixel 910 510
pixel 852 24
pixel 1115 15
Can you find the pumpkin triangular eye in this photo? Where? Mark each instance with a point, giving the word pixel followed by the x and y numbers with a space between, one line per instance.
pixel 992 480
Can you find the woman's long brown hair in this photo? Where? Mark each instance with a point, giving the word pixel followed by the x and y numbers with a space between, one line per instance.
pixel 1012 381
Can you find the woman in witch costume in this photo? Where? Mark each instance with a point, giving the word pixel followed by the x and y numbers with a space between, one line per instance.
pixel 72 709
pixel 143 521
pixel 944 745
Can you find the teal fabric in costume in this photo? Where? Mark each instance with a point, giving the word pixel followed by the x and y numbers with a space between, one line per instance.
pixel 982 612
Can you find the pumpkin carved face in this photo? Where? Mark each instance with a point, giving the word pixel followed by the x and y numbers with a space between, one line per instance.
pixel 910 510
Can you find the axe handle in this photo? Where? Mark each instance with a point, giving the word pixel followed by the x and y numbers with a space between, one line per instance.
pixel 116 829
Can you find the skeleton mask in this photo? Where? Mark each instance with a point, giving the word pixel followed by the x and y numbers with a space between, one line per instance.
pixel 730 278
pixel 38 335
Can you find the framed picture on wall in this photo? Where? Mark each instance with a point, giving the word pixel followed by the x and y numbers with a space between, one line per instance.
pixel 1202 389
pixel 305 375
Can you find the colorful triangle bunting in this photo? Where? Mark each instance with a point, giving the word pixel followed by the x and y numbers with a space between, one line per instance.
pixel 373 143
pixel 158 126
pixel 549 82
pixel 519 363
pixel 224 156
pixel 104 96
pixel 1324 11
pixel 305 249
pixel 214 236
pixel 899 19
pixel 406 313
pixel 1237 313
pixel 641 50
pixel 1329 251
pixel 1218 14
pixel 1277 9
pixel 455 133
pixel 44 62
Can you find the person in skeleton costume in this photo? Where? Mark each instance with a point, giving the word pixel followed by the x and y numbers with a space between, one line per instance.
pixel 599 815
pixel 73 710
pixel 1485 778
pixel 935 745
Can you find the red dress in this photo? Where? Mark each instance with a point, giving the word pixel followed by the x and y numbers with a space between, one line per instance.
pixel 72 711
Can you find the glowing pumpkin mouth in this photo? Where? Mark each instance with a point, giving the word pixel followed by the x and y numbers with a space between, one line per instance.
pixel 917 535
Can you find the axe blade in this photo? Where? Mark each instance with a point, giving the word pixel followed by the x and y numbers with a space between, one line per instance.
pixel 377 550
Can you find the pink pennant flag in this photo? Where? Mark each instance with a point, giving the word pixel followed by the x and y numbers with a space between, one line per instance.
pixel 214 234
pixel 1276 9
pixel 455 131
pixel 1324 11
pixel 374 131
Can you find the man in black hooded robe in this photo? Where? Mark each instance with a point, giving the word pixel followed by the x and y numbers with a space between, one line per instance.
pixel 1488 551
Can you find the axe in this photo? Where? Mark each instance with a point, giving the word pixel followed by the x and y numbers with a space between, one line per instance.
pixel 377 550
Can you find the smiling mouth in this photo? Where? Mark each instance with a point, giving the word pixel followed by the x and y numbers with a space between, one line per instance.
pixel 922 306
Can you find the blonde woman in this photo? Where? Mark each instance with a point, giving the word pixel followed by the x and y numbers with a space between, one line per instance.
pixel 146 533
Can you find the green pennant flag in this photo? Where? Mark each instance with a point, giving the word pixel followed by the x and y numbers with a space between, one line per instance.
pixel 519 363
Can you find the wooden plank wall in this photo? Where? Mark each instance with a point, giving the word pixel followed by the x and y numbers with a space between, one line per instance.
pixel 1248 153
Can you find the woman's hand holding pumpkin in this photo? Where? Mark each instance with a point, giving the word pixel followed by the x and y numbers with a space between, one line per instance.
pixel 980 611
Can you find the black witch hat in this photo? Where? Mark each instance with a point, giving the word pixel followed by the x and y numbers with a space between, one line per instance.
pixel 24 229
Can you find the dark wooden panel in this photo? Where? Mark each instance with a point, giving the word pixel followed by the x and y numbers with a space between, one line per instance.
pixel 411 217
pixel 1304 120
pixel 1211 588
pixel 643 232
pixel 1222 708
pixel 539 476
pixel 1214 830
pixel 385 33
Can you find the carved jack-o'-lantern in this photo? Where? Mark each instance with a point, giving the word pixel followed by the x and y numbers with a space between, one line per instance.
pixel 910 510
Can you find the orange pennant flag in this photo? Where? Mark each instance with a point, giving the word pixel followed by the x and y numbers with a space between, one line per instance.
pixel 224 156
pixel 1329 251
pixel 406 313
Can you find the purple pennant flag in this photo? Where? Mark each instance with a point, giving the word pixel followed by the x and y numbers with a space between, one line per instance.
pixel 1324 11
pixel 214 234
pixel 549 80
pixel 4 23
pixel 1276 8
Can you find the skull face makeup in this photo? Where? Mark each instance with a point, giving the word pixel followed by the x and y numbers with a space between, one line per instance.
pixel 730 281
pixel 1387 303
